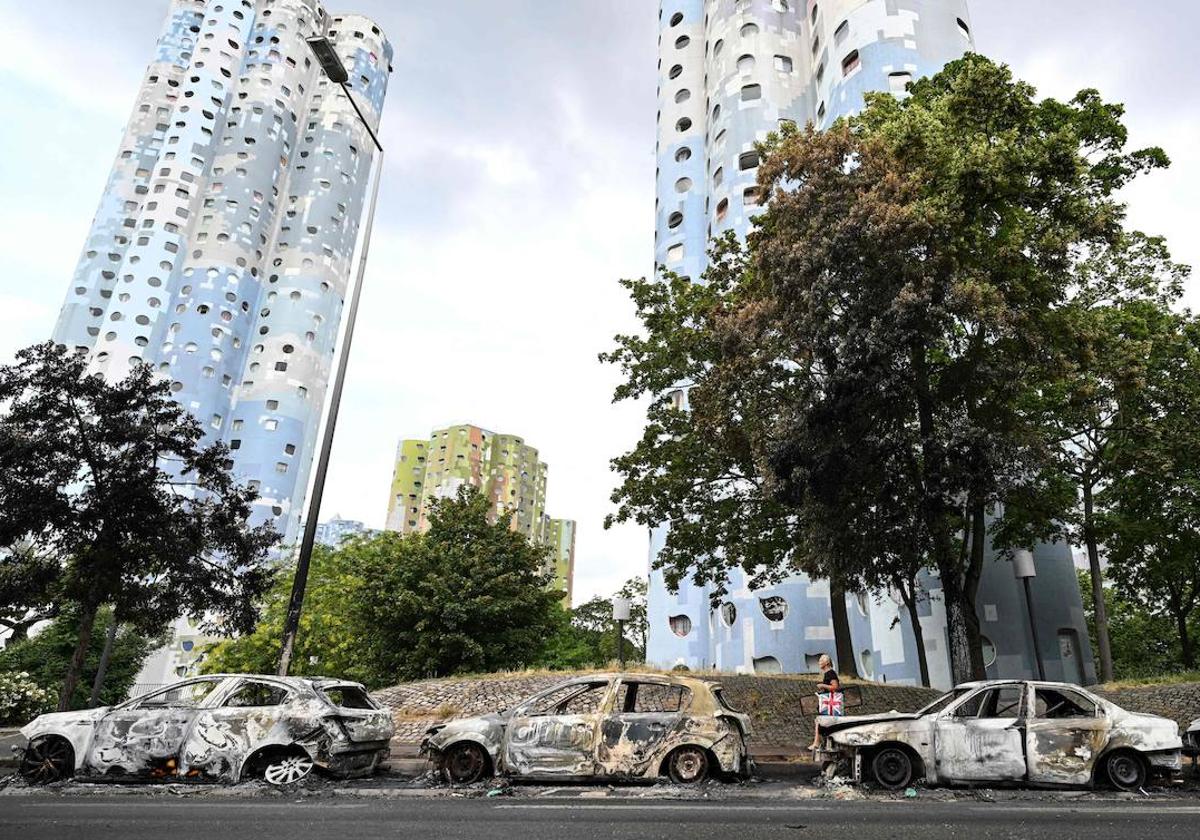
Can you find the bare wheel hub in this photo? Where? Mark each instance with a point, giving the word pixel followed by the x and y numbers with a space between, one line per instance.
pixel 288 770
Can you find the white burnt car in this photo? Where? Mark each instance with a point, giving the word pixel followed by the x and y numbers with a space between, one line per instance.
pixel 216 728
pixel 607 726
pixel 1191 741
pixel 1036 733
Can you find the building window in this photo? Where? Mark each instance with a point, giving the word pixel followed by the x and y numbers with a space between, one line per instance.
pixel 682 41
pixel 728 613
pixel 963 28
pixel 867 662
pixel 681 626
pixel 774 608
pixel 841 32
pixel 683 154
pixel 675 253
pixel 750 197
pixel 722 209
pixel 747 160
pixel 676 18
pixel 783 64
pixel 675 71
pixel 674 220
pixel 683 125
pixel 850 63
pixel 749 30
pixel 683 185
pixel 745 64
pixel 989 651
pixel 767 665
pixel 751 92
pixel 683 95
pixel 898 82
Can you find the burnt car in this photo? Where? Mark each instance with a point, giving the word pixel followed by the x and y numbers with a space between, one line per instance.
pixel 1007 731
pixel 1191 742
pixel 601 727
pixel 222 728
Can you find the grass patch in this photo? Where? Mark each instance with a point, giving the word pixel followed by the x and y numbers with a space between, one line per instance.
pixel 1161 679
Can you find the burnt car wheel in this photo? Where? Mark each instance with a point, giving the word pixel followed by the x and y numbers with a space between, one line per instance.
pixel 893 768
pixel 48 759
pixel 1125 770
pixel 688 766
pixel 465 763
pixel 287 768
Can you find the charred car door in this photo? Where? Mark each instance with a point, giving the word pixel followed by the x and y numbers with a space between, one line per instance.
pixel 1066 733
pixel 145 737
pixel 642 717
pixel 223 737
pixel 982 737
pixel 554 734
pixel 361 719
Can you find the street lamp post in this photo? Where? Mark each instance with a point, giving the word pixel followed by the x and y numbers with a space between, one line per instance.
pixel 621 612
pixel 1024 570
pixel 327 57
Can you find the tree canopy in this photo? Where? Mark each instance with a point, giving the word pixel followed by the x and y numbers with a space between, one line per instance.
pixel 108 495
pixel 858 374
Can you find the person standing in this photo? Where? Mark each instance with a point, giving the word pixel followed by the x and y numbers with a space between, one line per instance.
pixel 830 700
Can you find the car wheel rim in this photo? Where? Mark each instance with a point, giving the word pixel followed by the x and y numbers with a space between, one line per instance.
pixel 892 768
pixel 1124 771
pixel 289 770
pixel 46 761
pixel 689 765
pixel 466 764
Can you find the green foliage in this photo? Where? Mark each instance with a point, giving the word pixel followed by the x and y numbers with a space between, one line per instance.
pixel 45 657
pixel 467 597
pixel 1144 645
pixel 22 699
pixel 860 372
pixel 109 496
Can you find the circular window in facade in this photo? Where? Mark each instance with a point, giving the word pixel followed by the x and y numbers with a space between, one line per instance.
pixel 774 608
pixel 681 626
pixel 728 613
pixel 989 651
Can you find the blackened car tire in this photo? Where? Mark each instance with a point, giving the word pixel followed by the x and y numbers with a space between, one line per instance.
pixel 892 768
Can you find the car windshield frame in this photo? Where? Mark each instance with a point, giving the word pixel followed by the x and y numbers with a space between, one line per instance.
pixel 943 702
pixel 135 703
pixel 525 707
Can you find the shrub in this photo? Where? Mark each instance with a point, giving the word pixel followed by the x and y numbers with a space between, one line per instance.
pixel 21 699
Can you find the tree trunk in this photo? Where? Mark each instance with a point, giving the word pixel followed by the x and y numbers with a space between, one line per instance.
pixel 914 619
pixel 958 639
pixel 102 669
pixel 1099 609
pixel 843 642
pixel 87 621
pixel 1186 654
pixel 974 572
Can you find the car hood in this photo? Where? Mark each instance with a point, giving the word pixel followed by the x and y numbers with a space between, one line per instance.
pixel 487 729
pixel 837 724
pixel 58 721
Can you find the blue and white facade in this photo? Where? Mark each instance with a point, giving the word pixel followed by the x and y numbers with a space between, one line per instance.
pixel 221 251
pixel 731 72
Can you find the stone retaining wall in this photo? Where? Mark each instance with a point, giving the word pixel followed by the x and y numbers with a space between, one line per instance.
pixel 772 702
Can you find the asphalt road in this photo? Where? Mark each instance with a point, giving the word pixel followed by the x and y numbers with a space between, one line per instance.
pixel 59 818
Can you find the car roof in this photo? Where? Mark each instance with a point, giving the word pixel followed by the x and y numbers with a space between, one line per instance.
pixel 318 682
pixel 634 676
pixel 1043 683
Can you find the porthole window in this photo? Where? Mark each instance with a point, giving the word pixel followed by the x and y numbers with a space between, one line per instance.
pixel 683 154
pixel 676 71
pixel 683 125
pixel 745 64
pixel 774 608
pixel 747 160
pixel 681 625
pixel 718 176
pixel 675 253
pixel 722 209
pixel 749 30
pixel 676 18
pixel 963 28
pixel 717 47
pixel 683 185
pixel 728 613
pixel 683 96
pixel 674 220
pixel 866 661
pixel 682 41
pixel 841 32
pixel 989 651
pixel 850 63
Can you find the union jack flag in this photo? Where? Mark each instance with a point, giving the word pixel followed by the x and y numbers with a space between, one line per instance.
pixel 832 704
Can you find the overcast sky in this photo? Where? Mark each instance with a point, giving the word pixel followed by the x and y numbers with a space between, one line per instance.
pixel 518 190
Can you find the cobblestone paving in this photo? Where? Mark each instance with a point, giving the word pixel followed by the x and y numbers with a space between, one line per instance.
pixel 1179 702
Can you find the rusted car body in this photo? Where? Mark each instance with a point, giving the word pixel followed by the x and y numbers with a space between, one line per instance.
pixel 1036 733
pixel 607 726
pixel 216 728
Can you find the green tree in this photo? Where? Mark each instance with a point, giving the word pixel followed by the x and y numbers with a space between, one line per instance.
pixel 1151 527
pixel 1143 644
pixel 109 488
pixel 329 640
pixel 878 340
pixel 1119 314
pixel 46 656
